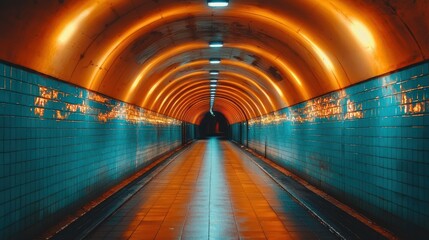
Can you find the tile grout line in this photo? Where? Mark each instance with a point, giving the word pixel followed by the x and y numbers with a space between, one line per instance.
pixel 249 199
pixel 231 202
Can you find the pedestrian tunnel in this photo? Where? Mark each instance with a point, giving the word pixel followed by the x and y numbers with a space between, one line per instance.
pixel 334 92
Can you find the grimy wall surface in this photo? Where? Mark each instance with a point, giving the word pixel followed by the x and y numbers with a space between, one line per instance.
pixel 61 146
pixel 367 145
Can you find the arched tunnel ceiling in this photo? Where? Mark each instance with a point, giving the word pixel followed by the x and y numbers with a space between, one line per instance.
pixel 155 53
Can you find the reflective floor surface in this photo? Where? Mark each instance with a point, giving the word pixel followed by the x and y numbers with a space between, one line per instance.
pixel 212 191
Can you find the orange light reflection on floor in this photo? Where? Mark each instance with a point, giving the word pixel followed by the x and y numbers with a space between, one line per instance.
pixel 211 191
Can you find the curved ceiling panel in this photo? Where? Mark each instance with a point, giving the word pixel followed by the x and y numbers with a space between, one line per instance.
pixel 168 69
pixel 244 101
pixel 161 96
pixel 155 53
pixel 195 113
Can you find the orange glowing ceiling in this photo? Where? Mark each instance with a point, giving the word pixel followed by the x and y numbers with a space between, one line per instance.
pixel 155 54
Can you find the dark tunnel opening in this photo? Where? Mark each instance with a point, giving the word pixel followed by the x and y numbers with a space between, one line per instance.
pixel 214 126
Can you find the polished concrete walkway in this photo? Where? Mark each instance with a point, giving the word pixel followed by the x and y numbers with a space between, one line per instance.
pixel 211 191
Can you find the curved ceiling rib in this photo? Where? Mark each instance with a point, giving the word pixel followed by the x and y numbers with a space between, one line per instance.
pixel 242 72
pixel 153 64
pixel 248 112
pixel 202 77
pixel 173 105
pixel 155 53
pixel 245 100
pixel 195 112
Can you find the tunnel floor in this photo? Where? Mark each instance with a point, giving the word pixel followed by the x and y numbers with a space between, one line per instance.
pixel 212 191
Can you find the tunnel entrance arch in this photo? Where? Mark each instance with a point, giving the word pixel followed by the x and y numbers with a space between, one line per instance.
pixel 216 125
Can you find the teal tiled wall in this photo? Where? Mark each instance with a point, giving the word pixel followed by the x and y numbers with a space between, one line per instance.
pixel 239 133
pixel 367 145
pixel 235 132
pixel 190 132
pixel 61 146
